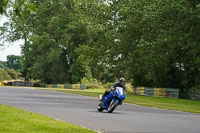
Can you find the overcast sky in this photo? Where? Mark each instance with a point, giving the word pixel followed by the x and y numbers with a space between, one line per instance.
pixel 9 49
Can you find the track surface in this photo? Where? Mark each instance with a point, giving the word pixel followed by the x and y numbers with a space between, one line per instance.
pixel 81 110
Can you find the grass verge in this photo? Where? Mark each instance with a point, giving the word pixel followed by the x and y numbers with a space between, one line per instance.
pixel 17 120
pixel 164 103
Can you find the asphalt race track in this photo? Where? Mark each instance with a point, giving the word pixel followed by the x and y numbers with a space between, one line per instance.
pixel 81 110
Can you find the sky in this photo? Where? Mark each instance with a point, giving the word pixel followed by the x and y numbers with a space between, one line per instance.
pixel 9 49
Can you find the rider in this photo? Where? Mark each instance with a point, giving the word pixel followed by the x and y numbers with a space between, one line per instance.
pixel 121 83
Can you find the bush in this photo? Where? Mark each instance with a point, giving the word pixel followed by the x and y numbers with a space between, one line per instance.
pixel 84 81
pixel 91 84
pixel 4 75
pixel 195 88
pixel 12 73
pixel 129 88
pixel 94 84
pixel 107 85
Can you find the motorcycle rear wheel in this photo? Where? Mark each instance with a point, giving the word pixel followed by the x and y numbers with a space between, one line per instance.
pixel 112 107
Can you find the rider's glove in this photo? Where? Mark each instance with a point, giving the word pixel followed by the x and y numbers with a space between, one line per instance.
pixel 111 88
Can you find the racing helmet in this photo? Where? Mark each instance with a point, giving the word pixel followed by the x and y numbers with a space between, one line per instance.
pixel 122 80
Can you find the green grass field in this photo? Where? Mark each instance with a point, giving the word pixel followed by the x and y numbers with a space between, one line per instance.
pixel 165 103
pixel 16 120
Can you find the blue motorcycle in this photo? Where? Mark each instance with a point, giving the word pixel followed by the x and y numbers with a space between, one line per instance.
pixel 112 100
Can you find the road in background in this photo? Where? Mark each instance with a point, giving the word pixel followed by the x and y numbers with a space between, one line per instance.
pixel 81 110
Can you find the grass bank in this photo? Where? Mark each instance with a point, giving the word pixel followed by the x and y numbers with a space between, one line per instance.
pixel 165 103
pixel 17 120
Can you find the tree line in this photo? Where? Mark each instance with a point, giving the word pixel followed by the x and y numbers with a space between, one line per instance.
pixel 10 69
pixel 150 43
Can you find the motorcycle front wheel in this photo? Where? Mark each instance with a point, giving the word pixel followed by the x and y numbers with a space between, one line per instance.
pixel 112 107
pixel 99 107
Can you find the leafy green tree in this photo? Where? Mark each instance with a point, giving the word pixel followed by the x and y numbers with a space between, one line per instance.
pixel 13 62
pixel 147 41
pixel 19 6
pixel 156 42
pixel 3 5
pixel 55 33
pixel 2 64
pixel 151 43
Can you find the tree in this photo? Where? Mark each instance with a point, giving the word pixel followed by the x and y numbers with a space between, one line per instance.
pixel 151 43
pixel 13 62
pixel 19 6
pixel 3 5
pixel 2 64
pixel 53 35
pixel 156 42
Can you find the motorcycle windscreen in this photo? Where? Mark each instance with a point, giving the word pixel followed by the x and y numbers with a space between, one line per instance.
pixel 120 93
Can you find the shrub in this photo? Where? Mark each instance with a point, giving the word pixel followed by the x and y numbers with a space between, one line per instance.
pixel 93 86
pixel 195 88
pixel 12 73
pixel 4 75
pixel 107 85
pixel 129 88
pixel 84 81
pixel 91 83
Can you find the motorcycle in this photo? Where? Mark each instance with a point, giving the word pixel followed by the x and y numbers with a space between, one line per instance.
pixel 112 100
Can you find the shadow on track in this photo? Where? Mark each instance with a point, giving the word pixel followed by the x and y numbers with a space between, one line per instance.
pixel 107 112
